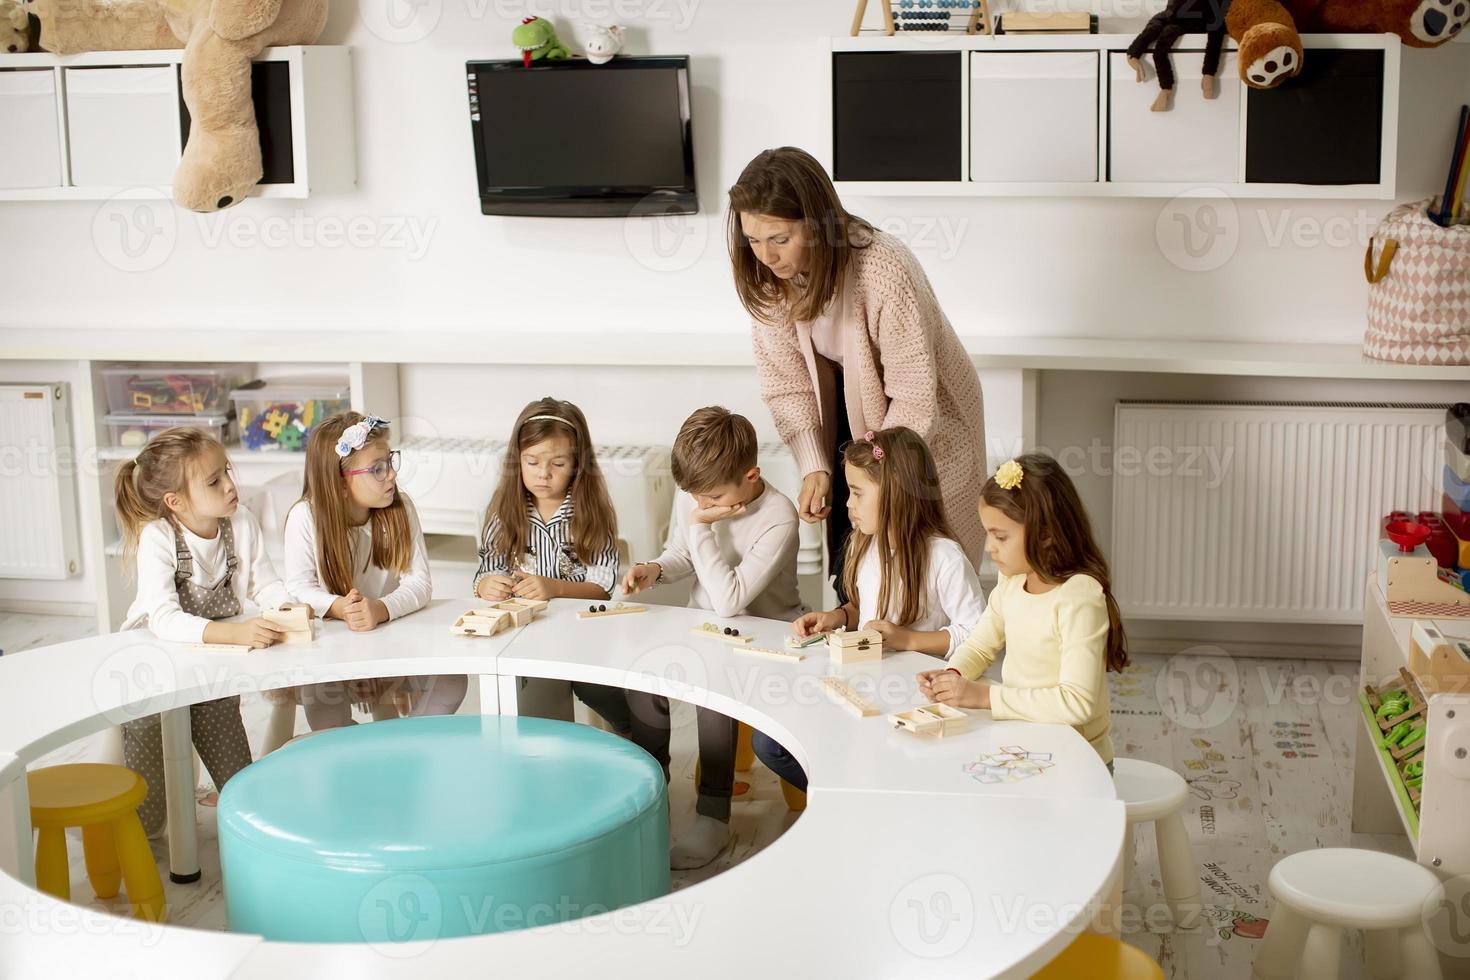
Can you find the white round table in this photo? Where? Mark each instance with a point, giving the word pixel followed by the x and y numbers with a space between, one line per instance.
pixel 901 865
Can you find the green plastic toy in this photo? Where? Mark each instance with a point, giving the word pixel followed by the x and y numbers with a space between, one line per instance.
pixel 537 40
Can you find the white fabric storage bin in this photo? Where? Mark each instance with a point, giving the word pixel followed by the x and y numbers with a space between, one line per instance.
pixel 123 126
pixel 1197 140
pixel 31 153
pixel 1033 116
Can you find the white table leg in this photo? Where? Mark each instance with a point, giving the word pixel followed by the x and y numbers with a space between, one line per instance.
pixel 178 783
pixel 17 857
pixel 489 694
pixel 509 694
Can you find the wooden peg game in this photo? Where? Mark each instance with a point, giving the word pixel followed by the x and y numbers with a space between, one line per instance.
pixel 295 622
pixel 482 622
pixel 842 693
pixel 783 656
pixel 600 609
pixel 727 633
pixel 236 648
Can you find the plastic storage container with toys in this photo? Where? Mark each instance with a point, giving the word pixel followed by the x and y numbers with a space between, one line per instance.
pixel 279 415
pixel 199 389
pixel 130 431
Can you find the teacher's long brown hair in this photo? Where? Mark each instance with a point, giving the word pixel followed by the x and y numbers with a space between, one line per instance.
pixel 788 183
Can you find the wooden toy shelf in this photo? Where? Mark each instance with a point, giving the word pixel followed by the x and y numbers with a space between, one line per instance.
pixel 957 115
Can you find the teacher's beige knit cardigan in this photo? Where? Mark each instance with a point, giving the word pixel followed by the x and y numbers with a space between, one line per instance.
pixel 902 365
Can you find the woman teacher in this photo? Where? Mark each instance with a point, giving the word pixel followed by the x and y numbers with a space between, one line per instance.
pixel 849 338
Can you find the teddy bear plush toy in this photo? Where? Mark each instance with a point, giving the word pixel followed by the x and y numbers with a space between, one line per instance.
pixel 15 27
pixel 1266 32
pixel 221 161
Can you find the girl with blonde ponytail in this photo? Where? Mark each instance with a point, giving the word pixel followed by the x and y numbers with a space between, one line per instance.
pixel 198 557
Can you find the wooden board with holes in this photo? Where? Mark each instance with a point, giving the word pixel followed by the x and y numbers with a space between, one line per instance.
pixel 843 694
pixel 618 610
pixel 220 647
pixel 711 632
pixel 780 655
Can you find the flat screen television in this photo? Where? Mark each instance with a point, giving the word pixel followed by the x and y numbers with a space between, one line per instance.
pixel 570 138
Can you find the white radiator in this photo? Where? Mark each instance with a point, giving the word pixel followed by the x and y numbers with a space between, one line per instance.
pixel 450 482
pixel 1262 512
pixel 38 507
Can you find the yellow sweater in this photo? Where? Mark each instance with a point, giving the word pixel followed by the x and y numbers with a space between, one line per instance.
pixel 1056 655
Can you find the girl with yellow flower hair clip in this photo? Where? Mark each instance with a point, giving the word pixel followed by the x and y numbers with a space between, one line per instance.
pixel 1052 610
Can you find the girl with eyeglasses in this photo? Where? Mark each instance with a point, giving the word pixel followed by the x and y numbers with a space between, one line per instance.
pixel 355 552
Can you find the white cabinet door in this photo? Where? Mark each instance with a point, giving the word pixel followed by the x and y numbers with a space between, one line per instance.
pixel 123 125
pixel 1197 140
pixel 1033 116
pixel 30 155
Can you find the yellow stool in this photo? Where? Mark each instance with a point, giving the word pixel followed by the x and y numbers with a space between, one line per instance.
pixel 1100 958
pixel 795 798
pixel 103 801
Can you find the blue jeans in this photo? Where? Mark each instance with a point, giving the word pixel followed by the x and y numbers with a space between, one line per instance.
pixel 778 760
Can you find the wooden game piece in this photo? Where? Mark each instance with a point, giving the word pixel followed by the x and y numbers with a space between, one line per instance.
pixel 781 655
pixel 712 632
pixel 855 646
pixel 481 622
pixel 931 719
pixel 843 694
pixel 220 647
pixel 599 609
pixel 295 622
pixel 802 642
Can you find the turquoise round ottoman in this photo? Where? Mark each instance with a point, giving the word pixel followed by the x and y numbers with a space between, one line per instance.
pixel 426 828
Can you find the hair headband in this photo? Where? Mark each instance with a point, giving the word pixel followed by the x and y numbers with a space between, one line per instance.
pixel 553 418
pixel 354 437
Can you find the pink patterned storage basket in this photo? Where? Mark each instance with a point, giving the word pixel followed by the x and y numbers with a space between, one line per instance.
pixel 1419 288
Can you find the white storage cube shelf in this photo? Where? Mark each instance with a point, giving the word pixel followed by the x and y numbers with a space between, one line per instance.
pixel 1064 116
pixel 91 126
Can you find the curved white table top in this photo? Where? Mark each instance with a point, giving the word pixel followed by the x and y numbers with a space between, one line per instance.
pixel 902 865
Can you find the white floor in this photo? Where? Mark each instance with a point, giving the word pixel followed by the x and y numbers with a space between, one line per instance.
pixel 1271 776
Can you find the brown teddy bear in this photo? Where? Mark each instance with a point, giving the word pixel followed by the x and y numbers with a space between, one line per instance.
pixel 221 162
pixel 1266 32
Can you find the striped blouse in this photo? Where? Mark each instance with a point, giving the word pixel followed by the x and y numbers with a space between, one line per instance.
pixel 551 551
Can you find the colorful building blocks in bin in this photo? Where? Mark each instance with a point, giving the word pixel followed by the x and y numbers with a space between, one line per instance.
pixel 1458 462
pixel 279 415
pixel 201 390
pixel 134 431
pixel 1441 542
pixel 1457 426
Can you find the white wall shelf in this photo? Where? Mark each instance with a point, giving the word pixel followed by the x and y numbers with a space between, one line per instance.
pixel 1118 118
pixel 101 97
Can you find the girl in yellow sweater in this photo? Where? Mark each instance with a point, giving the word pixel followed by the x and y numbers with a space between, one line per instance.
pixel 1052 610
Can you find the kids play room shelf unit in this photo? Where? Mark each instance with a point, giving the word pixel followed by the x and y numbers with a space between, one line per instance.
pixel 92 126
pixel 975 115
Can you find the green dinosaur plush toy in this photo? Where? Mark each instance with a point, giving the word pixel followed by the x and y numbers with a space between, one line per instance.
pixel 537 39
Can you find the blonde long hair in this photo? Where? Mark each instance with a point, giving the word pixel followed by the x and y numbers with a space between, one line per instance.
pixel 159 469
pixel 594 523
pixel 324 490
pixel 910 511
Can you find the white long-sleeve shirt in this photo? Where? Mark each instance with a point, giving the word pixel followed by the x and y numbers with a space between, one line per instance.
pixel 953 600
pixel 401 594
pixel 744 565
pixel 156 604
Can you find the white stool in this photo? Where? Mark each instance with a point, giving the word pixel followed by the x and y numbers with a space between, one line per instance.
pixel 1320 893
pixel 1157 795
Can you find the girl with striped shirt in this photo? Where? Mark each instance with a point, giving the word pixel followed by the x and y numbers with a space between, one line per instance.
pixel 550 531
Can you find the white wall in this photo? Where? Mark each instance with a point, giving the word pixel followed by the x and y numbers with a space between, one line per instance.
pixel 1055 267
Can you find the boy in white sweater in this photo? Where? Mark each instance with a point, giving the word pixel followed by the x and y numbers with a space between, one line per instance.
pixel 738 537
